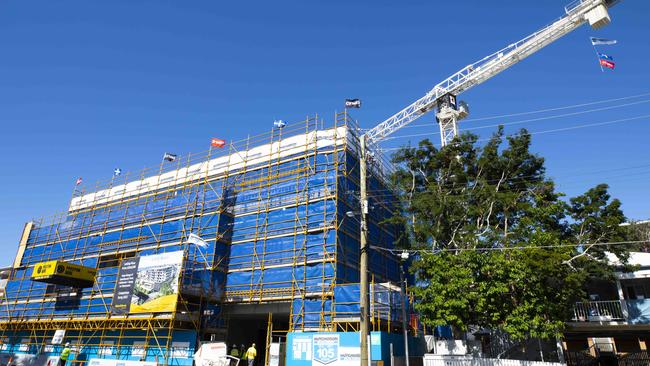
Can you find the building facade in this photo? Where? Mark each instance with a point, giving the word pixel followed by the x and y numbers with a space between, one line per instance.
pixel 278 214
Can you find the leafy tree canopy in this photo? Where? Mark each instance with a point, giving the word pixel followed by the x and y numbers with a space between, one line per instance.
pixel 501 248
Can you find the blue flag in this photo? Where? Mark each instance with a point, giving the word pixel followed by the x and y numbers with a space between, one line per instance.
pixel 603 56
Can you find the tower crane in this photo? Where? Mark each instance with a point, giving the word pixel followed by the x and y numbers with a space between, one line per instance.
pixel 443 94
pixel 443 98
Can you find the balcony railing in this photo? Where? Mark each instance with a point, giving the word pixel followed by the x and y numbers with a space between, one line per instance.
pixel 598 311
pixel 630 311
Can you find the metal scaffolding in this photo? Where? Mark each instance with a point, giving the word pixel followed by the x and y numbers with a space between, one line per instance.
pixel 274 210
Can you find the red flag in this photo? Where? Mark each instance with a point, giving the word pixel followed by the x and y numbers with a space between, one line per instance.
pixel 79 180
pixel 215 142
pixel 607 64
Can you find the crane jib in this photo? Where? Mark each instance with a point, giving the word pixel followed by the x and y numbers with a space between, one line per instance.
pixel 577 13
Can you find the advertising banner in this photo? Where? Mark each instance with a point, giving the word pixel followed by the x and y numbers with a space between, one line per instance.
pixel 125 286
pixel 148 284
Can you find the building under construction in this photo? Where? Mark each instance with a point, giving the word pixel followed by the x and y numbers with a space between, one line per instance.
pixel 274 249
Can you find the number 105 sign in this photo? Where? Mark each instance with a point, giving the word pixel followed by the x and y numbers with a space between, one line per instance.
pixel 326 348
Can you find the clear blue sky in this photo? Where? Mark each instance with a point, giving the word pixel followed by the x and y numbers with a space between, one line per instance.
pixel 89 86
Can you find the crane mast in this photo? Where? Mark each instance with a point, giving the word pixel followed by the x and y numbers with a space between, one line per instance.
pixel 443 95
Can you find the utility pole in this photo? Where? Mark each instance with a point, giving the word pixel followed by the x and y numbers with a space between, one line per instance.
pixel 403 258
pixel 363 259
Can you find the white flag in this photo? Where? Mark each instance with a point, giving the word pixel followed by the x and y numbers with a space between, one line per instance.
pixel 599 41
pixel 197 240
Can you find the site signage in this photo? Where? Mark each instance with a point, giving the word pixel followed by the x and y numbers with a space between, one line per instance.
pixel 109 362
pixel 148 284
pixel 62 273
pixel 326 348
pixel 125 285
pixel 323 349
pixel 58 336
pixel 274 354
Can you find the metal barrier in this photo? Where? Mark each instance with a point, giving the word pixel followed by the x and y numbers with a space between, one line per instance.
pixel 443 360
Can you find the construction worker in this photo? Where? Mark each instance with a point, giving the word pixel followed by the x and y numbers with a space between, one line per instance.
pixel 242 351
pixel 234 351
pixel 251 353
pixel 65 354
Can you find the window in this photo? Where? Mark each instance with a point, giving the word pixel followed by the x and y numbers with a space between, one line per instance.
pixel 635 292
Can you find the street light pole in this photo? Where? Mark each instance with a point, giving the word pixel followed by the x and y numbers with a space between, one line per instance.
pixel 363 259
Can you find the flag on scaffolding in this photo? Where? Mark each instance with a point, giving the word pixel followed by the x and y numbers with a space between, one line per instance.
pixel 602 41
pixel 169 157
pixel 279 123
pixel 215 142
pixel 352 103
pixel 117 172
pixel 197 240
pixel 79 180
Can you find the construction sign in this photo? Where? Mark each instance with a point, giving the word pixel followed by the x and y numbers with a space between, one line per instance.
pixel 66 274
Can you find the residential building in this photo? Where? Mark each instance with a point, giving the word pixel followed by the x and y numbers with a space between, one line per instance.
pixel 615 322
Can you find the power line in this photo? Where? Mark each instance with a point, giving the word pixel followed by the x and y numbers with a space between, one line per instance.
pixel 469 193
pixel 561 129
pixel 435 251
pixel 525 121
pixel 524 178
pixel 558 108
pixel 544 110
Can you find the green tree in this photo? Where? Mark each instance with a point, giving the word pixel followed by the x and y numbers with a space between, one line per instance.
pixel 499 242
pixel 166 289
pixel 639 232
